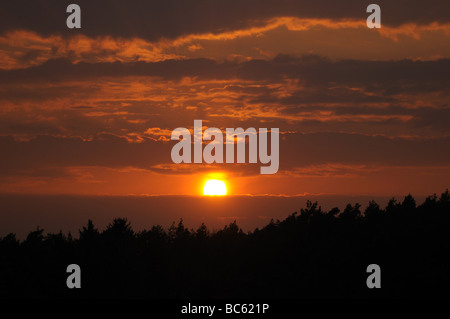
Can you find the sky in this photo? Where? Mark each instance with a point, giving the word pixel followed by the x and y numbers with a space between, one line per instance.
pixel 90 111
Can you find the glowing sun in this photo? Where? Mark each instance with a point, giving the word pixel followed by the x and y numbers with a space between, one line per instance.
pixel 214 187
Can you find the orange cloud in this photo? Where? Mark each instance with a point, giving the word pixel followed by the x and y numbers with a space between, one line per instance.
pixel 158 134
pixel 22 49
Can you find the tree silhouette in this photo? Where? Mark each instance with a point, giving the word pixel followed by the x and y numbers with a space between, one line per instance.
pixel 315 253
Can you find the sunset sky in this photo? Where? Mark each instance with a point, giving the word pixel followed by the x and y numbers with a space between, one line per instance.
pixel 90 111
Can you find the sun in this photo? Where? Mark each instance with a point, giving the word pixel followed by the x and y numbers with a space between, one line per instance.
pixel 215 187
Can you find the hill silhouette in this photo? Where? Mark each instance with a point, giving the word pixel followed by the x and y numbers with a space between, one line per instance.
pixel 312 253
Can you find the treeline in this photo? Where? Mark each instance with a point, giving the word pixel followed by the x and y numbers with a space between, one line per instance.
pixel 313 253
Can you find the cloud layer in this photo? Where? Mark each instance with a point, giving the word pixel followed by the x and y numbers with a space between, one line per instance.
pixel 91 110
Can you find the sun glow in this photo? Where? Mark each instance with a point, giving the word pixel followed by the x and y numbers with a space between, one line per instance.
pixel 214 187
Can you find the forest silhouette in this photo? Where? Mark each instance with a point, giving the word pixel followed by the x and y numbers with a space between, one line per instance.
pixel 313 253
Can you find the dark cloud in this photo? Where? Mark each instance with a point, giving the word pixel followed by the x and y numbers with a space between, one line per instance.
pixel 370 97
pixel 63 70
pixel 105 151
pixel 385 77
pixel 344 87
pixel 43 154
pixel 320 148
pixel 18 94
pixel 437 119
pixel 171 18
